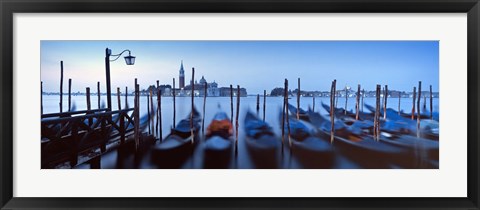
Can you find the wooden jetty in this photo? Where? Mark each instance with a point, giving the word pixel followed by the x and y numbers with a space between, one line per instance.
pixel 78 137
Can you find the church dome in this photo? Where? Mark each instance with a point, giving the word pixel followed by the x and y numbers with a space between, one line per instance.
pixel 203 81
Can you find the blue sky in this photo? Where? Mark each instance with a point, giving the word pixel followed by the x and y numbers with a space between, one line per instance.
pixel 255 65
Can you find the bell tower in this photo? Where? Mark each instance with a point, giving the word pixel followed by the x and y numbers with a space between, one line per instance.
pixel 182 76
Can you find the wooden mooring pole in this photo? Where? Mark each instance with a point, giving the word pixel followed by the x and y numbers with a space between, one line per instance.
pixel 137 116
pixel 431 103
pixel 283 115
pixel 418 107
pixel 174 105
pixel 332 110
pixel 264 103
pixel 413 104
pixel 236 120
pixel 121 117
pixel 98 94
pixel 193 106
pixel 87 93
pixel 126 97
pixel 157 113
pixel 357 103
pixel 231 103
pixel 61 87
pixel 376 123
pixel 286 113
pixel 313 103
pixel 41 97
pixel 346 99
pixel 119 96
pixel 69 95
pixel 385 98
pixel 152 110
pixel 148 112
pixel 159 120
pixel 258 105
pixel 204 104
pixel 298 100
pixel 382 95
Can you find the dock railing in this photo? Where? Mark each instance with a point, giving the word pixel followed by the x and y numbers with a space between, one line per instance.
pixel 85 135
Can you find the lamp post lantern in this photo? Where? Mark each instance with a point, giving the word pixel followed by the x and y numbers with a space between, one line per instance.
pixel 129 60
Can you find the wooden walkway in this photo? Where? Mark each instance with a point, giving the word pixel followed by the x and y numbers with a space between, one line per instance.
pixel 83 136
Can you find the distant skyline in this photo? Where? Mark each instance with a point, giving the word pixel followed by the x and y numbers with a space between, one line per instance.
pixel 254 65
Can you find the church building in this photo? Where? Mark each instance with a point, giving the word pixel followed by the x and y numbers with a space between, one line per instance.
pixel 199 87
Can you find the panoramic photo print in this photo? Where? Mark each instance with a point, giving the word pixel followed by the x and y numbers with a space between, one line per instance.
pixel 239 104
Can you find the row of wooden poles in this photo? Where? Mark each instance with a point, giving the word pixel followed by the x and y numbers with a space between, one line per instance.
pixel 384 92
pixel 334 101
pixel 158 112
pixel 378 93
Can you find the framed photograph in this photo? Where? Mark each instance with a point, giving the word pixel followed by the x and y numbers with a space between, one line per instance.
pixel 260 104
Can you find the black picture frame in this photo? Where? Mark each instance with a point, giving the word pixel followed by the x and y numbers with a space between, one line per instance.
pixel 10 7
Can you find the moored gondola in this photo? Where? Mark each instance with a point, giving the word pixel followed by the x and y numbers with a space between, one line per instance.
pixel 218 146
pixel 356 143
pixel 179 145
pixel 309 149
pixel 402 124
pixel 262 144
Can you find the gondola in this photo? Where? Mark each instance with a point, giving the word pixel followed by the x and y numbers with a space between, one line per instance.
pixel 405 125
pixel 356 143
pixel 262 145
pixel 179 145
pixel 218 147
pixel 424 149
pixel 398 124
pixel 309 149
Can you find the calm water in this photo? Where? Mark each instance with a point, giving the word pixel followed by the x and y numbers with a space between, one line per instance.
pixel 273 107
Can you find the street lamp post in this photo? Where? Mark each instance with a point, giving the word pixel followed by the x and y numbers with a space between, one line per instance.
pixel 129 60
